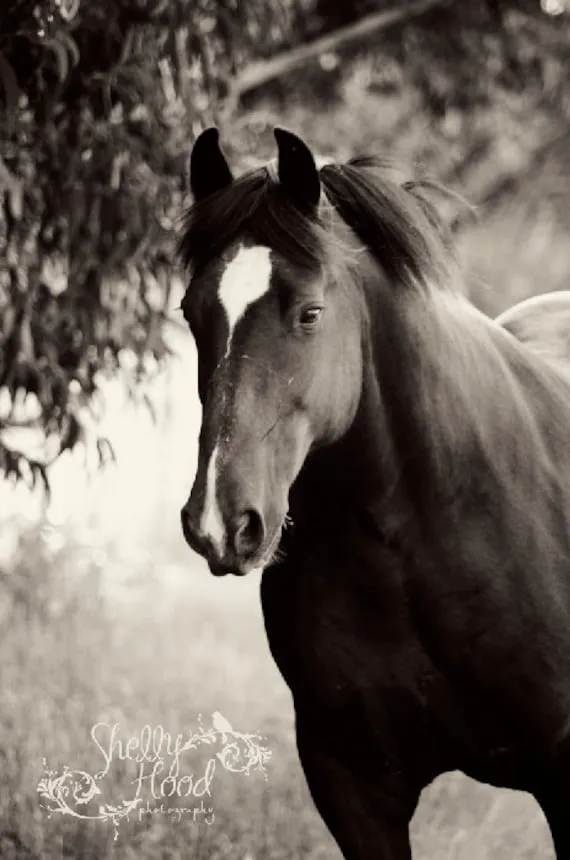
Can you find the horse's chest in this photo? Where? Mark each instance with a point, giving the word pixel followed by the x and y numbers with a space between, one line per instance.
pixel 337 639
pixel 333 657
pixel 348 650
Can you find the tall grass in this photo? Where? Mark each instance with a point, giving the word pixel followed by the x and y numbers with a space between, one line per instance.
pixel 72 656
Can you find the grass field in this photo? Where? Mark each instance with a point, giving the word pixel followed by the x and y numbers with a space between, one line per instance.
pixel 162 655
pixel 105 616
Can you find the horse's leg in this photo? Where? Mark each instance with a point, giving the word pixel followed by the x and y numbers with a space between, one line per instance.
pixel 369 820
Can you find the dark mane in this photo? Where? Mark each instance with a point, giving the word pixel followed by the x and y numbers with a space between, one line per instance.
pixel 253 207
pixel 398 225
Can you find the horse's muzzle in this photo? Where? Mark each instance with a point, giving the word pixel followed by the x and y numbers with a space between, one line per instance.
pixel 243 541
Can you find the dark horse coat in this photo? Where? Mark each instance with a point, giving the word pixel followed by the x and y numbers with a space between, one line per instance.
pixel 399 464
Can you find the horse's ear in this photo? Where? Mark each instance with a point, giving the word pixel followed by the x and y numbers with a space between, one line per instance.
pixel 209 170
pixel 297 171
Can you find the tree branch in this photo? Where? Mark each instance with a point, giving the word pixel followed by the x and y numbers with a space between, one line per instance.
pixel 259 73
pixel 507 186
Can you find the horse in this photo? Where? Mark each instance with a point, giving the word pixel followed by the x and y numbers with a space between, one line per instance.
pixel 398 464
pixel 542 322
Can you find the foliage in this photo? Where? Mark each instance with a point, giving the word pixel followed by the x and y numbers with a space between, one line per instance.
pixel 99 103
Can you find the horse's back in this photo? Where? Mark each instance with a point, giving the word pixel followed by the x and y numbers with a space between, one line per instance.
pixel 543 324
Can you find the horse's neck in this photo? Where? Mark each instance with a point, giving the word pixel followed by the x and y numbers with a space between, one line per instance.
pixel 449 409
pixel 403 421
pixel 461 399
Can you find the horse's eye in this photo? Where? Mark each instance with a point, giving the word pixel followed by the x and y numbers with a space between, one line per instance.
pixel 310 316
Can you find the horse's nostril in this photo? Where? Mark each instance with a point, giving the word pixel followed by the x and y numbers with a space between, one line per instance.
pixel 249 533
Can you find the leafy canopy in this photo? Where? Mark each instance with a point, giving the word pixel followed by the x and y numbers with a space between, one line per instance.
pixel 99 102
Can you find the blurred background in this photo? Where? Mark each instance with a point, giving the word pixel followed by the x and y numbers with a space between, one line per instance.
pixel 105 614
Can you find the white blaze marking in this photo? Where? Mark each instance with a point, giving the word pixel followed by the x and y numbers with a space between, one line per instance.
pixel 246 278
pixel 212 523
